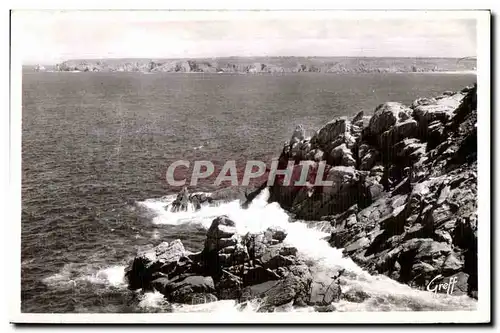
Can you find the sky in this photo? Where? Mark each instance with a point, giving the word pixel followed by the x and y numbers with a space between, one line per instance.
pixel 47 37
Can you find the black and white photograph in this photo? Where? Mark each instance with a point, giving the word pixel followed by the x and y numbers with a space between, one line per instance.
pixel 251 166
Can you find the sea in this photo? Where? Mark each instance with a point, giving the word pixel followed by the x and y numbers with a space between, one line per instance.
pixel 95 150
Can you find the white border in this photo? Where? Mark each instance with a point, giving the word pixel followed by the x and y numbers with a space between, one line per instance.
pixel 482 314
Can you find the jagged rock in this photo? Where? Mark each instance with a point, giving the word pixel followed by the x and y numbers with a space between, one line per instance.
pixel 452 264
pixel 358 119
pixel 181 203
pixel 258 274
pixel 140 271
pixel 387 115
pixel 332 130
pixel 275 293
pixel 199 298
pixel 328 200
pixel 229 286
pixel 230 256
pixel 325 308
pixel 442 109
pixel 423 101
pixel 461 286
pixel 324 290
pixel 370 188
pixel 417 203
pixel 355 296
pixel 161 284
pixel 166 252
pixel 163 257
pixel 402 130
pixel 188 290
pixel 409 151
pixel 200 199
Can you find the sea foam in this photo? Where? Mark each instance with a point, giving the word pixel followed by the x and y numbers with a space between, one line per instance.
pixel 312 245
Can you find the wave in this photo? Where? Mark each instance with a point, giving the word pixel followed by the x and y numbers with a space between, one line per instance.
pixel 311 243
pixel 72 275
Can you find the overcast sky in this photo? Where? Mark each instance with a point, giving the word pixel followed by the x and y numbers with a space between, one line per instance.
pixel 50 37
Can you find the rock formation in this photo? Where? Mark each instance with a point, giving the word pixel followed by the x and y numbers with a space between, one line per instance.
pixel 403 203
pixel 185 201
pixel 232 266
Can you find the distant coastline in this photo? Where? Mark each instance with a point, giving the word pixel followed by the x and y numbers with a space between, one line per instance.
pixel 258 65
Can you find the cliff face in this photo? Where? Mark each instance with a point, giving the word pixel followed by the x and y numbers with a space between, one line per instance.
pixel 270 65
pixel 404 197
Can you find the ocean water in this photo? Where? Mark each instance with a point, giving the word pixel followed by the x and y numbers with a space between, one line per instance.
pixel 95 148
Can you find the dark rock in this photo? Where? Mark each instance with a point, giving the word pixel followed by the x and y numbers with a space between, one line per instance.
pixel 387 115
pixel 355 296
pixel 181 203
pixel 298 135
pixel 400 131
pixel 198 200
pixel 259 274
pixel 276 293
pixel 332 130
pixel 358 119
pixel 172 252
pixel 152 260
pixel 139 273
pixel 277 233
pixel 368 157
pixel 252 194
pixel 219 234
pixel 199 298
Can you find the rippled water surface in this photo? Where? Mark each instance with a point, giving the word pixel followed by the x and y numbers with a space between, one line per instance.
pixel 95 148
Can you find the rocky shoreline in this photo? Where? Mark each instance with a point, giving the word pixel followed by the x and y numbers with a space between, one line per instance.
pixel 271 65
pixel 403 204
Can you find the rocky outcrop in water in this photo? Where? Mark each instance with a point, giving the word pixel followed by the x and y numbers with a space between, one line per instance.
pixel 403 200
pixel 233 266
pixel 259 65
